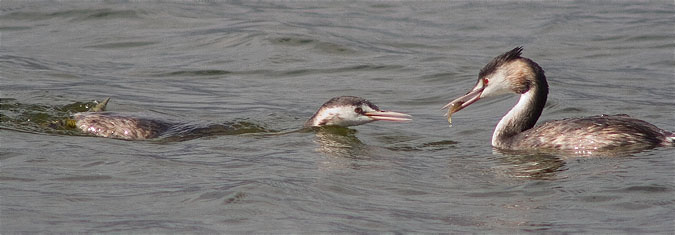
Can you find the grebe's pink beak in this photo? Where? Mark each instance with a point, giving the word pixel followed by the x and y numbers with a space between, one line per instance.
pixel 465 100
pixel 388 116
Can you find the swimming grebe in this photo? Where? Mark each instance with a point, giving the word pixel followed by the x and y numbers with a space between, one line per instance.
pixel 113 125
pixel 351 111
pixel 510 73
pixel 339 111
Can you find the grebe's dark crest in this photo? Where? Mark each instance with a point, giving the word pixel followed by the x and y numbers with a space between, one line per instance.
pixel 351 111
pixel 511 73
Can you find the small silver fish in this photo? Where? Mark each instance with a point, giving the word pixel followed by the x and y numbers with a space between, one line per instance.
pixel 453 109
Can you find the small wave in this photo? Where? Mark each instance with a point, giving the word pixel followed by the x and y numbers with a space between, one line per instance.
pixel 210 72
pixel 298 72
pixel 84 178
pixel 118 45
pixel 75 15
pixel 11 61
pixel 324 47
pixel 38 118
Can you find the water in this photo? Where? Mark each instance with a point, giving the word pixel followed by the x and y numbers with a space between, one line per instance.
pixel 271 64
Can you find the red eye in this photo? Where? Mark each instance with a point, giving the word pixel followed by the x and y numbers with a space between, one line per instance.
pixel 485 81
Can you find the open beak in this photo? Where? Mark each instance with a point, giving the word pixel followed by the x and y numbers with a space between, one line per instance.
pixel 388 116
pixel 464 101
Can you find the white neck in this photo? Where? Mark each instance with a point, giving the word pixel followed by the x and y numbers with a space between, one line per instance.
pixel 521 117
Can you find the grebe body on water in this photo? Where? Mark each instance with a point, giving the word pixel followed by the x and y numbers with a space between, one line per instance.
pixel 340 111
pixel 118 126
pixel 511 73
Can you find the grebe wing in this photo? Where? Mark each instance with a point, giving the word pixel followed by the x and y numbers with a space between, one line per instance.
pixel 603 132
pixel 112 125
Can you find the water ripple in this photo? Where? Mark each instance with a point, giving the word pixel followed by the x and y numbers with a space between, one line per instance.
pixel 264 67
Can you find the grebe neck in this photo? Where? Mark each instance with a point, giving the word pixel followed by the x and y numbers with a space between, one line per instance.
pixel 523 115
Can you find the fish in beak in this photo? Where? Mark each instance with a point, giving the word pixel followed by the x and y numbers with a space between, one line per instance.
pixel 463 101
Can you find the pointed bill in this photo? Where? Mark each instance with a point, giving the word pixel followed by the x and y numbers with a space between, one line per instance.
pixel 389 116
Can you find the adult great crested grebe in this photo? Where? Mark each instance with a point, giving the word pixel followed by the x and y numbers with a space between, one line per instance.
pixel 339 111
pixel 511 73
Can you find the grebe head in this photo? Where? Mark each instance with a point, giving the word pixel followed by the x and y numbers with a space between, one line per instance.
pixel 506 73
pixel 351 111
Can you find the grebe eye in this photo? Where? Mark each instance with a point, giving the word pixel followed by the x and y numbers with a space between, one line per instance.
pixel 358 110
pixel 485 81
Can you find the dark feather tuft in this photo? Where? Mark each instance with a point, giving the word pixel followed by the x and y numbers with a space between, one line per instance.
pixel 499 61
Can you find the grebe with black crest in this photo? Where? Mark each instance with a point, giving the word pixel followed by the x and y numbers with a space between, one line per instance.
pixel 511 73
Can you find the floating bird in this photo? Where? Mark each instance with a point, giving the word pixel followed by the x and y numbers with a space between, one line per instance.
pixel 113 125
pixel 511 73
pixel 340 111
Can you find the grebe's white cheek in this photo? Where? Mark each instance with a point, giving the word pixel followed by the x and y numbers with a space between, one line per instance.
pixel 359 119
pixel 497 85
pixel 345 116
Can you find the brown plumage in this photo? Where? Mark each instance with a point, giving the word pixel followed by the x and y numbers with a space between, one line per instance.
pixel 511 73
pixel 595 133
pixel 117 126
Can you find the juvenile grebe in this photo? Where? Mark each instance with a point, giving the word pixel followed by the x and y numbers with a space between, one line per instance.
pixel 510 73
pixel 339 111
pixel 351 111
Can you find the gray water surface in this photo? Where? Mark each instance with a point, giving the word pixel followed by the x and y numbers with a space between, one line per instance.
pixel 272 64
